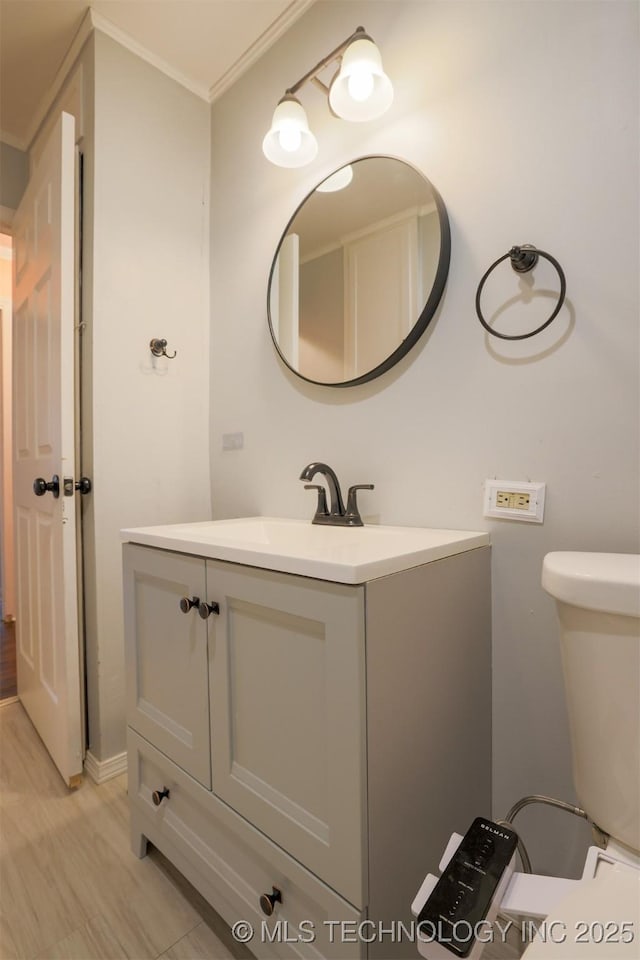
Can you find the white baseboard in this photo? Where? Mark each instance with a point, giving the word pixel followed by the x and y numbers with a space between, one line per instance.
pixel 102 770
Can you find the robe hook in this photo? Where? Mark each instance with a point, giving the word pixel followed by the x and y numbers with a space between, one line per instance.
pixel 159 349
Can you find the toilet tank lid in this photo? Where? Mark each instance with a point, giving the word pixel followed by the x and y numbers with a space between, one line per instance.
pixel 609 582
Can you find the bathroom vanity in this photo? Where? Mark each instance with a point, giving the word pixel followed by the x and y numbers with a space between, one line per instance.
pixel 309 717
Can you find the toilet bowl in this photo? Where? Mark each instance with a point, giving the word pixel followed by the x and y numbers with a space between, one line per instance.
pixel 598 604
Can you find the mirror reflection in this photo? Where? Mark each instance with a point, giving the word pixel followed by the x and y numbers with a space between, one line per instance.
pixel 359 272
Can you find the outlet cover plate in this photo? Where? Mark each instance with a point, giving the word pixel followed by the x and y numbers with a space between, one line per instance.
pixel 514 500
pixel 232 441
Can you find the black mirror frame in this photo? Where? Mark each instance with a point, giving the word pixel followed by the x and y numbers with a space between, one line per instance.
pixel 429 309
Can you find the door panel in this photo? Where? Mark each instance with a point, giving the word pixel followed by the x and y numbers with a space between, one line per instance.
pixel 48 654
pixel 381 287
pixel 166 654
pixel 287 714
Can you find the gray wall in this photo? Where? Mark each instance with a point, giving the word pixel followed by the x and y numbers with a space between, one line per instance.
pixel 146 446
pixel 145 422
pixel 525 117
pixel 14 174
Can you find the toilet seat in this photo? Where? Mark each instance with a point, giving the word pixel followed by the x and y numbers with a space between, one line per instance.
pixel 599 919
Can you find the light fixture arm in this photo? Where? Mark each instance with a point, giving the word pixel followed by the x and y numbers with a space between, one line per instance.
pixel 358 34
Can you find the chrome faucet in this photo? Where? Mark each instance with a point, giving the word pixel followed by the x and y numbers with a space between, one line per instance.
pixel 335 514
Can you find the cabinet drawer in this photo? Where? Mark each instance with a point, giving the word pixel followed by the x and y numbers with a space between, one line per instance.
pixel 167 656
pixel 233 864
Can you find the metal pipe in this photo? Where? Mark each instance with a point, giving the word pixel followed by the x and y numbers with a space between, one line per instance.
pixel 536 798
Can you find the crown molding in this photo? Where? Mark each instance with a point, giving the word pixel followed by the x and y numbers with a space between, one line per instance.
pixel 12 141
pixel 124 39
pixel 279 26
pixel 82 35
pixel 95 21
pixel 90 22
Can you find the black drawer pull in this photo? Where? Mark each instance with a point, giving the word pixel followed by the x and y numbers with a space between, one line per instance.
pixel 268 901
pixel 158 796
pixel 186 604
pixel 206 609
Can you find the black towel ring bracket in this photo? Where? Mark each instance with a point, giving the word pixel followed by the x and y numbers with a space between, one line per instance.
pixel 523 258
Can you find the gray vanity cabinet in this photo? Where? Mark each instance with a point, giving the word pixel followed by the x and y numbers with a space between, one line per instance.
pixel 318 738
pixel 287 715
pixel 167 664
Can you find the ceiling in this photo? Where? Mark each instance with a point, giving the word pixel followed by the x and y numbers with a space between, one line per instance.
pixel 205 44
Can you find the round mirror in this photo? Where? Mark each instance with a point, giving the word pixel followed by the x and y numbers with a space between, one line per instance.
pixel 359 272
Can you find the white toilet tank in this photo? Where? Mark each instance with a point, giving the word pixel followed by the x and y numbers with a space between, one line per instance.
pixel 598 602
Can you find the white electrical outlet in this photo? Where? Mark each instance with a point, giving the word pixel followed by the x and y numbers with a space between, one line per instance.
pixel 514 500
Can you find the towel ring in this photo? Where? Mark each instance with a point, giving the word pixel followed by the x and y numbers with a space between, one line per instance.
pixel 523 259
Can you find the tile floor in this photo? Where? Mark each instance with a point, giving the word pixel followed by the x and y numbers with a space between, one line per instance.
pixel 70 888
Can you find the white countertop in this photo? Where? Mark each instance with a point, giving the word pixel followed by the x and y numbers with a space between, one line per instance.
pixel 340 554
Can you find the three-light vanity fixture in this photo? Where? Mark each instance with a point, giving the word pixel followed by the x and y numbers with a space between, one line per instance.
pixel 359 91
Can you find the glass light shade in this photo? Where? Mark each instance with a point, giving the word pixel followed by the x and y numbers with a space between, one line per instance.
pixel 289 142
pixel 361 90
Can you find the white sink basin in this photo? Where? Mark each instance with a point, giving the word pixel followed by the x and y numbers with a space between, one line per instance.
pixel 342 554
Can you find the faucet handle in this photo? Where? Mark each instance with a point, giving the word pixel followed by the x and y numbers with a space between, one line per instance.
pixel 352 514
pixel 321 509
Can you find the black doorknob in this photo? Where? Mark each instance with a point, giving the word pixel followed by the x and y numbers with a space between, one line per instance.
pixel 206 609
pixel 186 604
pixel 268 901
pixel 83 485
pixel 158 796
pixel 42 486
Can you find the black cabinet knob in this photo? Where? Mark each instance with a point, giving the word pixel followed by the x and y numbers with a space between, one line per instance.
pixel 206 609
pixel 42 486
pixel 187 604
pixel 268 901
pixel 158 796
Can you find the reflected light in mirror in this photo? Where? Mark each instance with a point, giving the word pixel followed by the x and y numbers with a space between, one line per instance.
pixel 337 181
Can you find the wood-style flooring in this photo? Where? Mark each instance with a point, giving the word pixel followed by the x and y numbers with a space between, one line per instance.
pixel 70 888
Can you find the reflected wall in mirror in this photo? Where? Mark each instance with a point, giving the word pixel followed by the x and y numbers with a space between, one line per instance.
pixel 359 272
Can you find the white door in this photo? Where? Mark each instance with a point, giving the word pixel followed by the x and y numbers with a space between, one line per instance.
pixel 47 647
pixel 285 299
pixel 381 285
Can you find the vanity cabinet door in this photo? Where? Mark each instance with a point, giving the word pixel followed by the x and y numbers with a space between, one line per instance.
pixel 167 659
pixel 288 715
